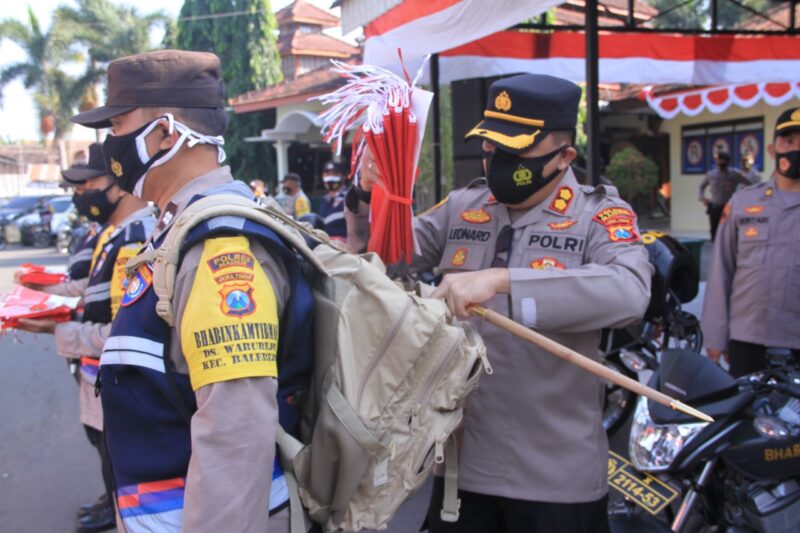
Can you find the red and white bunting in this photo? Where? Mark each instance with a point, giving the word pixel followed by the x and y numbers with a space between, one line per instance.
pixel 626 57
pixel 718 99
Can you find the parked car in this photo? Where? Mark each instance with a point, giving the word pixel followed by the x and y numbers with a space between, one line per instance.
pixel 34 231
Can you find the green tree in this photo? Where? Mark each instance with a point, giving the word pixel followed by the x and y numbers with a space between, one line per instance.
pixel 40 72
pixel 690 16
pixel 105 32
pixel 634 174
pixel 243 33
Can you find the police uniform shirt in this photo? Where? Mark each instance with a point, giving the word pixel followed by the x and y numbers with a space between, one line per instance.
pixel 533 428
pixel 753 289
pixel 723 184
pixel 234 426
pixel 298 204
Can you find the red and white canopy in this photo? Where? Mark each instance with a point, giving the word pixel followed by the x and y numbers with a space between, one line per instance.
pixel 465 34
pixel 718 99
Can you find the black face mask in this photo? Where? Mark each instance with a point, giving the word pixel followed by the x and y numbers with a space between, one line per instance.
pixel 513 179
pixel 95 205
pixel 122 159
pixel 789 164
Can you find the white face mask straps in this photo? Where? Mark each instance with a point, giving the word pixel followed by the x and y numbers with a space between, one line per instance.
pixel 194 138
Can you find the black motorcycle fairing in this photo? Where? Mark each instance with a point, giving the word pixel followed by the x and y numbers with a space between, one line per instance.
pixel 692 378
pixel 718 410
pixel 758 457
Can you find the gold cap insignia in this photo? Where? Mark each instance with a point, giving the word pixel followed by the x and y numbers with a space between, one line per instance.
pixel 502 102
pixel 116 167
pixel 796 114
pixel 522 176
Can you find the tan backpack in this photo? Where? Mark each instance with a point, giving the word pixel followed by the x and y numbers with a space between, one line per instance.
pixel 392 370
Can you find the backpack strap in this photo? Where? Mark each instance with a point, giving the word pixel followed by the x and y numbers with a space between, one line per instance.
pixel 451 503
pixel 166 257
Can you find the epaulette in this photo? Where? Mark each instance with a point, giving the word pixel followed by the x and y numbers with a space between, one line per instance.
pixel 603 189
pixel 478 182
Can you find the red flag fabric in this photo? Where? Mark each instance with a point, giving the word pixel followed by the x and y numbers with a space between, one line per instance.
pixel 41 275
pixel 22 302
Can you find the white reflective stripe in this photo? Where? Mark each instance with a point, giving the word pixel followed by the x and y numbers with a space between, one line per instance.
pixel 278 493
pixel 83 255
pixel 333 217
pixel 91 289
pixel 168 522
pixel 128 342
pixel 528 312
pixel 97 297
pixel 126 357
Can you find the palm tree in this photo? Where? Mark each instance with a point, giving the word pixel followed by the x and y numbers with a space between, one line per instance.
pixel 107 32
pixel 40 71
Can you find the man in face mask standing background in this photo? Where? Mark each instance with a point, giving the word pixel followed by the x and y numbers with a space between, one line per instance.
pixel 533 244
pixel 127 221
pixel 752 299
pixel 295 202
pixel 723 181
pixel 332 207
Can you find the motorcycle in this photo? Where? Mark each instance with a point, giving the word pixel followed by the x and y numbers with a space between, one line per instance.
pixel 3 241
pixel 740 473
pixel 635 350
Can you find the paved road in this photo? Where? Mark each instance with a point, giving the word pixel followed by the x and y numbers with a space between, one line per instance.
pixel 47 467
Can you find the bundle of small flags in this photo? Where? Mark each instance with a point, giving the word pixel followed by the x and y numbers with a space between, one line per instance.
pixel 31 274
pixel 388 114
pixel 23 302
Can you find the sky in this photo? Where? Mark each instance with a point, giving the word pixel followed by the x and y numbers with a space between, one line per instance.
pixel 18 120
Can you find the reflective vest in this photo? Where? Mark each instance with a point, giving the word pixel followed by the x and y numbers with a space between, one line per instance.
pixel 79 262
pixel 146 403
pixel 332 212
pixel 97 297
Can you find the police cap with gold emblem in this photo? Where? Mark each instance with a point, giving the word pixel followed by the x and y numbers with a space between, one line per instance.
pixel 522 109
pixel 165 78
pixel 788 121
pixel 79 173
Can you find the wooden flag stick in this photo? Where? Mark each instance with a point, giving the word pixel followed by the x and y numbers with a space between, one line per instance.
pixel 584 362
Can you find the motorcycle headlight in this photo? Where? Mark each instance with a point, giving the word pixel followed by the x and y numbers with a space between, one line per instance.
pixel 652 447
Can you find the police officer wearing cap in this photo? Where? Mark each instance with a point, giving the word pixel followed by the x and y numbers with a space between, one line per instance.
pixel 752 299
pixel 127 221
pixel 723 181
pixel 191 410
pixel 75 177
pixel 331 208
pixel 530 242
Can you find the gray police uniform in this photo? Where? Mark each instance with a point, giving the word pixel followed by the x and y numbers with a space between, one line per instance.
pixel 534 429
pixel 723 184
pixel 753 290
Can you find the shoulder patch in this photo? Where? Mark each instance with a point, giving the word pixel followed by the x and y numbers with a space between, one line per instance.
pixel 559 226
pixel 562 199
pixel 476 216
pixel 620 223
pixel 477 182
pixel 229 328
pixel 136 285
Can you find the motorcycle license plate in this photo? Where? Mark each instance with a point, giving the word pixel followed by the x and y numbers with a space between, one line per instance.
pixel 646 491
